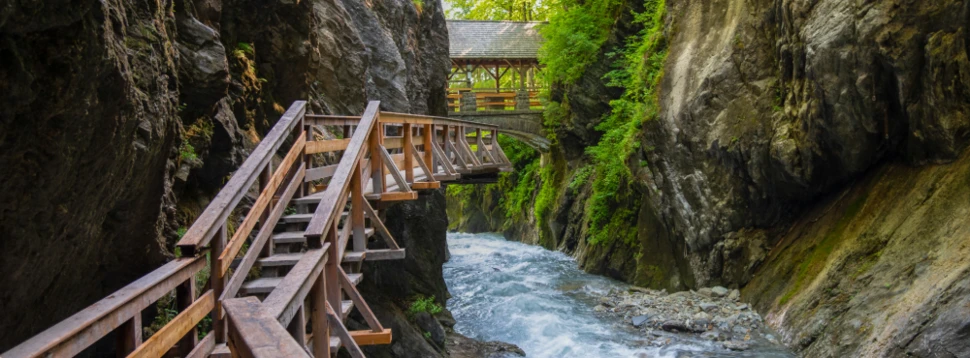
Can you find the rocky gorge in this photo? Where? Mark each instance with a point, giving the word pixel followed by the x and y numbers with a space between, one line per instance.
pixel 122 119
pixel 811 154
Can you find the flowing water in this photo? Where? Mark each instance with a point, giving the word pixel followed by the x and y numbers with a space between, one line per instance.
pixel 541 301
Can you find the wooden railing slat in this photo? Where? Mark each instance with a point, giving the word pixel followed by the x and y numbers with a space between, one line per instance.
pixel 255 333
pixel 159 343
pixel 285 301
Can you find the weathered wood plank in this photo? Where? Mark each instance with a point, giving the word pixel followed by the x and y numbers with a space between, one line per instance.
pixel 402 184
pixel 326 146
pixel 72 335
pixel 166 337
pixel 206 225
pixel 426 185
pixel 337 327
pixel 319 322
pixel 254 333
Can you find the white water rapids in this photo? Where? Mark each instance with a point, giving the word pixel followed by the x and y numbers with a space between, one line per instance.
pixel 541 301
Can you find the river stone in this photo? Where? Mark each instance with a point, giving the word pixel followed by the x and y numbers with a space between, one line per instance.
pixel 706 292
pixel 640 320
pixel 736 345
pixel 707 306
pixel 719 291
pixel 600 308
pixel 734 295
pixel 674 326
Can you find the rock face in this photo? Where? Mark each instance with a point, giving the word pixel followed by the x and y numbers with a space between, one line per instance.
pixel 121 119
pixel 811 152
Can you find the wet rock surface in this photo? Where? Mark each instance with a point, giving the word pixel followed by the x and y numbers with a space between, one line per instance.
pixel 712 314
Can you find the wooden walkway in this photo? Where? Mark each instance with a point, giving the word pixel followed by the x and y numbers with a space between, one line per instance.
pixel 283 281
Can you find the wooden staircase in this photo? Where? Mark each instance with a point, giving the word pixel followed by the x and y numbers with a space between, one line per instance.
pixel 285 280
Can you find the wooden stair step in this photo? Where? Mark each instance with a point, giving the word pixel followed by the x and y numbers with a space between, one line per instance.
pixel 262 285
pixel 345 307
pixel 385 254
pixel 355 278
pixel 288 259
pixel 292 237
pixel 300 218
pixel 354 256
pixel 220 351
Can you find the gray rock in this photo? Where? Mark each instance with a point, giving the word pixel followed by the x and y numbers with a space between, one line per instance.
pixel 638 321
pixel 736 345
pixel 718 291
pixel 675 326
pixel 709 307
pixel 706 292
pixel 429 324
pixel 734 295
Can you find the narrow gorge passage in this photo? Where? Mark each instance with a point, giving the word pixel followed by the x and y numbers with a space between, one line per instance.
pixel 541 301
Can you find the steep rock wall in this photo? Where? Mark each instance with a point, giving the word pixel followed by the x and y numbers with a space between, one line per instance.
pixel 123 118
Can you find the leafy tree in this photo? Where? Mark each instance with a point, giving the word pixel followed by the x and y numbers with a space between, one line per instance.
pixel 511 10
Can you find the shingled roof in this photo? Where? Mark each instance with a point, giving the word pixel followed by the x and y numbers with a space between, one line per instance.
pixel 494 39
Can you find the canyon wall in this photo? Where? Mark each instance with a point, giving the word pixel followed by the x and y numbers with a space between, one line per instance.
pixel 812 153
pixel 121 119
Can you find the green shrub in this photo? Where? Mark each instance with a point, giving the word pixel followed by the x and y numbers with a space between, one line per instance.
pixel 423 304
pixel 187 151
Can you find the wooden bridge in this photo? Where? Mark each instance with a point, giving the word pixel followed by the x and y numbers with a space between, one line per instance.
pixel 308 233
pixel 487 55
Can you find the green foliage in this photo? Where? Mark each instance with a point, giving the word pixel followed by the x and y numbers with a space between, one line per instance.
pixel 243 49
pixel 418 4
pixel 187 151
pixel 423 304
pixel 513 10
pixel 581 177
pixel 638 70
pixel 574 37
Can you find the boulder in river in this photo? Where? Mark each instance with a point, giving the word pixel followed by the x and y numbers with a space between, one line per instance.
pixel 719 291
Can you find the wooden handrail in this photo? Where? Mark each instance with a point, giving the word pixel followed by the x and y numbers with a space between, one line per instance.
pixel 74 334
pixel 206 225
pixel 254 333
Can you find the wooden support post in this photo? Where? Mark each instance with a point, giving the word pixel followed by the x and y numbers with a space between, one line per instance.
pixel 297 327
pixel 319 322
pixel 376 165
pixel 129 335
pixel 428 153
pixel 264 178
pixel 331 269
pixel 408 155
pixel 357 211
pixel 184 296
pixel 444 143
pixel 478 144
pixel 218 283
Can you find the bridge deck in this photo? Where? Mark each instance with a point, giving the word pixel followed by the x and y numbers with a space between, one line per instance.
pixel 298 250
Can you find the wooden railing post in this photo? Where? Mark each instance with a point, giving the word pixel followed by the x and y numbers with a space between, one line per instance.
pixel 332 266
pixel 376 165
pixel 428 153
pixel 446 133
pixel 218 282
pixel 297 327
pixel 185 296
pixel 319 322
pixel 357 210
pixel 129 335
pixel 478 144
pixel 264 178
pixel 408 155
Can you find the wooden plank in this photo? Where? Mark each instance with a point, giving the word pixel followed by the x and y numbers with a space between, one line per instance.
pixel 185 297
pixel 329 209
pixel 287 299
pixel 171 333
pixel 320 172
pixel 379 226
pixel 367 338
pixel 445 162
pixel 319 322
pixel 72 335
pixel 386 254
pixel 129 336
pixel 426 185
pixel 357 212
pixel 459 158
pixel 337 327
pixel 376 165
pixel 326 146
pixel 218 284
pixel 218 210
pixel 402 184
pixel 349 287
pixel 428 136
pixel 262 238
pixel 204 348
pixel 254 333
pixel 408 149
pixel 264 200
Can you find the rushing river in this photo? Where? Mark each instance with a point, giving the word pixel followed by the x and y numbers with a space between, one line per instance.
pixel 541 301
